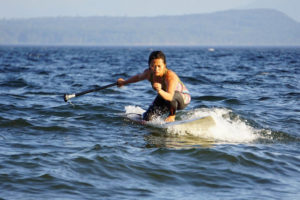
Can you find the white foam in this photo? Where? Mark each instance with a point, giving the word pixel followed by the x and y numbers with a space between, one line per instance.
pixel 138 110
pixel 228 128
pixel 134 109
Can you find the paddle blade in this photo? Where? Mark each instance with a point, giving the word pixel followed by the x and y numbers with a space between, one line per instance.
pixel 68 96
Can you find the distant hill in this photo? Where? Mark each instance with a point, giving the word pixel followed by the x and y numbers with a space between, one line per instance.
pixel 289 7
pixel 233 27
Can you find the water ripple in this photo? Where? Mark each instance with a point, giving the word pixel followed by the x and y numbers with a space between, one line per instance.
pixel 87 150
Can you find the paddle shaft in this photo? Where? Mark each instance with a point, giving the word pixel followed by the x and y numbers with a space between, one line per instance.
pixel 69 96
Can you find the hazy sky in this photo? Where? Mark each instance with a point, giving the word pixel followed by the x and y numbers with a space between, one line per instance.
pixel 53 8
pixel 40 8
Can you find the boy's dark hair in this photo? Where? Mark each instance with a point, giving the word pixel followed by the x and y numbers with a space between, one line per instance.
pixel 157 55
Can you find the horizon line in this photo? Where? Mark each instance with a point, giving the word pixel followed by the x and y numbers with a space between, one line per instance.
pixel 141 16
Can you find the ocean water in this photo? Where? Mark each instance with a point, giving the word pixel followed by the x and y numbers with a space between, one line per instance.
pixel 88 149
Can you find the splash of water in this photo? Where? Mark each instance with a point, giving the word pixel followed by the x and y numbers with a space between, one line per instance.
pixel 228 126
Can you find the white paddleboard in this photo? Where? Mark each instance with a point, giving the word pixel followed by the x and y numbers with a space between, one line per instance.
pixel 197 124
pixel 202 123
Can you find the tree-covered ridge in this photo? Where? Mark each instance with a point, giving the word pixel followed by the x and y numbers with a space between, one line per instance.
pixel 234 27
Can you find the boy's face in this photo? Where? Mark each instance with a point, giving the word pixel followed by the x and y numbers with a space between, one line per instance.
pixel 158 67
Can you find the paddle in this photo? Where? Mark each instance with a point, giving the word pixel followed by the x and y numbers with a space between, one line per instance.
pixel 69 96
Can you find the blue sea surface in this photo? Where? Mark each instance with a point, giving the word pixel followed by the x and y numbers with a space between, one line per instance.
pixel 88 149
